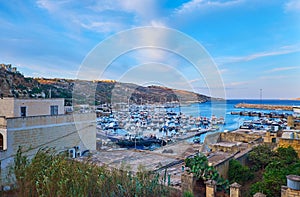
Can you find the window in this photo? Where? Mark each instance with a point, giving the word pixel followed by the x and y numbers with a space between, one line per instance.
pixel 1 142
pixel 23 111
pixel 54 110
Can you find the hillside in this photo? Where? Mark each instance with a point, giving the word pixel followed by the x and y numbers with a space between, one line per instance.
pixel 14 84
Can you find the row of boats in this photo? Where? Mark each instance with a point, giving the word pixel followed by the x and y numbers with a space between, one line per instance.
pixel 271 124
pixel 261 114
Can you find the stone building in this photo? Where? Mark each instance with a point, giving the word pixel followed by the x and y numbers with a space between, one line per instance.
pixel 8 67
pixel 294 121
pixel 43 126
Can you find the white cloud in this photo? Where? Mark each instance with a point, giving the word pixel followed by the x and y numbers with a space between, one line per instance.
pixel 238 83
pixel 102 27
pixel 195 80
pixel 52 6
pixel 292 6
pixel 281 51
pixel 273 77
pixel 106 16
pixel 203 5
pixel 145 9
pixel 283 69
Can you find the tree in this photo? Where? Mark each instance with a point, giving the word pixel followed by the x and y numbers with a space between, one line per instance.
pixel 239 173
pixel 284 161
pixel 288 155
pixel 260 157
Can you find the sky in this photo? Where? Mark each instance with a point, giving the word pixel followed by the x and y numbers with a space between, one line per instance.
pixel 254 44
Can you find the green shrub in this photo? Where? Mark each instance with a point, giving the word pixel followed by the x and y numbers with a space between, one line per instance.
pixel 239 173
pixel 260 156
pixel 199 167
pixel 283 162
pixel 188 194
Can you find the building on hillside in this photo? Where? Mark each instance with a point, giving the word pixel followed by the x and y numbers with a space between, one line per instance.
pixel 9 68
pixel 271 137
pixel 42 124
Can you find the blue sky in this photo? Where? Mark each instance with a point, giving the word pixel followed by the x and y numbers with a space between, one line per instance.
pixel 255 44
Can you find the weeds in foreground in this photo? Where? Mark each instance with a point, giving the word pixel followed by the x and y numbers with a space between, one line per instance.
pixel 49 174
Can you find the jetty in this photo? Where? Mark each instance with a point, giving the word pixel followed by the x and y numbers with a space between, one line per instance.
pixel 264 106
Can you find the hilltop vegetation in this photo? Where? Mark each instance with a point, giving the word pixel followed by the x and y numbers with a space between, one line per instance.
pixel 14 84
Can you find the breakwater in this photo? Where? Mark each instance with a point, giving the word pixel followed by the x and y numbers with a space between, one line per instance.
pixel 264 106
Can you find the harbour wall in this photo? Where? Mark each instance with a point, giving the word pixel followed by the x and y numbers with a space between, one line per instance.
pixel 263 106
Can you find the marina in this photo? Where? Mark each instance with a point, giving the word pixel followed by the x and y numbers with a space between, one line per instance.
pixel 148 127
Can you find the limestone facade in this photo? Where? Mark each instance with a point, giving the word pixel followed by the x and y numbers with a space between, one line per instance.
pixel 12 107
pixel 60 132
pixel 295 143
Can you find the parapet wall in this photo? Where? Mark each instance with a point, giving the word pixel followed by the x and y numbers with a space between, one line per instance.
pixel 295 143
pixel 287 192
pixel 238 137
pixel 36 121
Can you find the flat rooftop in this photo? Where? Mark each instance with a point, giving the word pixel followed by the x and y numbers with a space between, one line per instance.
pixel 132 158
pixel 170 157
